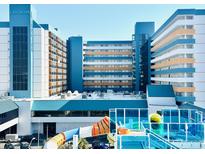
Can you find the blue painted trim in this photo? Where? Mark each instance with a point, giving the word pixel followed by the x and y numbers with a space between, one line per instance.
pixel 45 26
pixel 176 70
pixel 36 25
pixel 185 99
pixel 178 12
pixel 4 24
pixel 161 50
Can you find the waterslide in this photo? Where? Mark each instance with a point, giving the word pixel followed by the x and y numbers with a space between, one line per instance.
pixel 99 128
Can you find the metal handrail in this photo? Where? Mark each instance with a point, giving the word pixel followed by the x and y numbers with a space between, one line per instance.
pixel 160 138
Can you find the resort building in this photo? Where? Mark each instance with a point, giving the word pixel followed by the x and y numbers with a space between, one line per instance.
pixel 108 65
pixel 152 86
pixel 119 66
pixel 56 114
pixel 178 55
pixel 33 60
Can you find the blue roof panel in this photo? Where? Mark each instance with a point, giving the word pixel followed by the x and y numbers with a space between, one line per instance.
pixel 85 105
pixel 160 91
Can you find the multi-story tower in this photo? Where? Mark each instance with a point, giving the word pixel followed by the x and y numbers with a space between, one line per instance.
pixel 108 65
pixel 75 60
pixel 33 61
pixel 111 65
pixel 57 65
pixel 4 58
pixel 141 44
pixel 178 55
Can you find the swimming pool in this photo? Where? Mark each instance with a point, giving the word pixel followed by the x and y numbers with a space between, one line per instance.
pixel 176 126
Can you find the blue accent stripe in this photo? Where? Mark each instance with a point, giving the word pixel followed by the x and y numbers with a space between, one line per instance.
pixel 178 12
pixel 185 99
pixel 4 24
pixel 175 42
pixel 45 26
pixel 107 73
pixel 172 71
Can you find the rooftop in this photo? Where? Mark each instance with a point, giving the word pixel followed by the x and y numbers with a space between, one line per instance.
pixel 88 96
pixel 7 105
pixel 87 102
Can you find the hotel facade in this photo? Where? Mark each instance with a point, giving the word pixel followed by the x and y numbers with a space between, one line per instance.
pixel 111 65
pixel 110 76
pixel 108 65
pixel 178 55
pixel 36 62
pixel 33 58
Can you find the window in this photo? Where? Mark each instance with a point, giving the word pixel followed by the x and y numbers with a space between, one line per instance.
pixel 20 58
pixel 189 26
pixel 189 46
pixel 3 115
pixel 189 17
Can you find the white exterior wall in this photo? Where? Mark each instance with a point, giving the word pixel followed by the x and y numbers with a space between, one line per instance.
pixel 4 61
pixel 40 63
pixel 63 123
pixel 199 56
pixel 158 103
pixel 171 27
pixel 24 123
pixel 198 52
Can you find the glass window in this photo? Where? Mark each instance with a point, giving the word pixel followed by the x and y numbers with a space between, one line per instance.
pixel 20 58
pixel 174 116
pixel 131 118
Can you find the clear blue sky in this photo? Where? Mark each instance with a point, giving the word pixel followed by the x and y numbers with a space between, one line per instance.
pixel 100 22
